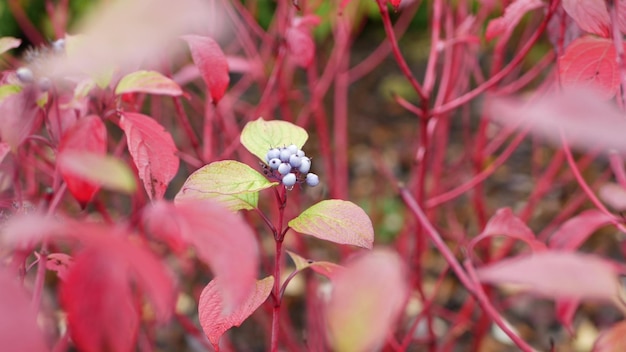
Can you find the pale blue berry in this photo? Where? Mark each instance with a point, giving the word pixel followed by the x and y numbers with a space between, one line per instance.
pixel 305 165
pixel 312 179
pixel 285 154
pixel 284 168
pixel 274 163
pixel 25 75
pixel 293 149
pixel 295 161
pixel 273 153
pixel 289 180
pixel 300 153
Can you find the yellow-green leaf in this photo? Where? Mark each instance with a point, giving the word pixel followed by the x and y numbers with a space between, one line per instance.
pixel 234 184
pixel 338 221
pixel 151 82
pixel 107 171
pixel 259 136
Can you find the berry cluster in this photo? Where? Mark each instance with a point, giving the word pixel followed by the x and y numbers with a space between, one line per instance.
pixel 290 166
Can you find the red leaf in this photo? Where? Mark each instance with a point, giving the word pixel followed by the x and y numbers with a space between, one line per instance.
pixel 221 239
pixel 153 151
pixel 366 300
pixel 87 135
pixel 18 321
pixel 590 61
pixel 576 230
pixel 592 15
pixel 557 275
pixel 211 62
pixel 97 291
pixel 612 340
pixel 19 117
pixel 505 223
pixel 4 150
pixel 512 15
pixel 586 120
pixel 211 308
pixel 99 303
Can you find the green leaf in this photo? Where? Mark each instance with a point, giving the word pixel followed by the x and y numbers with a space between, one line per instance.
pixel 259 136
pixel 8 43
pixel 234 184
pixel 338 221
pixel 151 82
pixel 107 171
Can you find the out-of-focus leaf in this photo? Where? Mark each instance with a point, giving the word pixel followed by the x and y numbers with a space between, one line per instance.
pixel 153 151
pixel 613 339
pixel 338 221
pixel 576 230
pixel 587 120
pixel 565 311
pixel 366 300
pixel 18 321
pixel 234 184
pixel 300 44
pixel 590 62
pixel 150 82
pixel 505 223
pixel 212 63
pixel 210 308
pixel 4 150
pixel 8 43
pixel 557 274
pixel 19 117
pixel 221 239
pixel 99 288
pixel 259 136
pixel 124 35
pixel 512 15
pixel 613 195
pixel 106 171
pixel 87 135
pixel 593 17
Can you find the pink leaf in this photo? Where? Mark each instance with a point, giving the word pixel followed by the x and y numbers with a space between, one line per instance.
pixel 366 300
pixel 613 195
pixel 592 15
pixel 60 263
pixel 210 308
pixel 8 43
pixel 4 150
pixel 87 135
pixel 301 46
pixel 323 268
pixel 590 61
pixel 505 223
pixel 557 274
pixel 512 15
pixel 153 151
pixel 211 62
pixel 19 117
pixel 576 230
pixel 221 239
pixel 18 321
pixel 587 121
